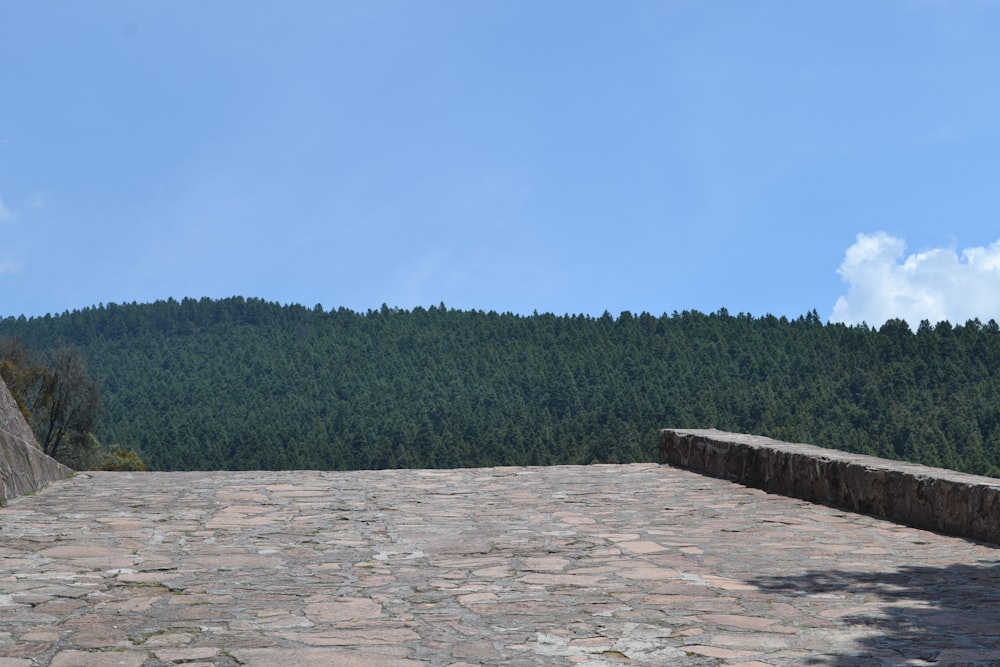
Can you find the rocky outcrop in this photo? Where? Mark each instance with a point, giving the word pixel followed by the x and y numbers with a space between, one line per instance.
pixel 23 466
pixel 930 498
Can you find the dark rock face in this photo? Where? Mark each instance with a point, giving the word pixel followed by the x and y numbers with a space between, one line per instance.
pixel 23 466
pixel 949 502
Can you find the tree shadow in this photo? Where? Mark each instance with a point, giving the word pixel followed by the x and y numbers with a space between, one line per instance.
pixel 916 615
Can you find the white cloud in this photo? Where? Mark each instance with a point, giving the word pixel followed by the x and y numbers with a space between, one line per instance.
pixel 935 285
pixel 5 213
pixel 7 267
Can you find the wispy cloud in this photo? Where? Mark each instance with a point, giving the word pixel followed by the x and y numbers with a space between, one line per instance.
pixel 9 268
pixel 5 213
pixel 935 285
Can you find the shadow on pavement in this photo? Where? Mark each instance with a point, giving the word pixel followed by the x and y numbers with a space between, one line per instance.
pixel 916 615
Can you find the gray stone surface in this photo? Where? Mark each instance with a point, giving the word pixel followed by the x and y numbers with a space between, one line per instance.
pixel 931 498
pixel 569 566
pixel 23 466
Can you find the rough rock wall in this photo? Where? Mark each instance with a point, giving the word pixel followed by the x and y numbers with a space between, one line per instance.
pixel 930 498
pixel 23 466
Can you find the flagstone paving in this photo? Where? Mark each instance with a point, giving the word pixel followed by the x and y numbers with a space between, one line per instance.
pixel 578 566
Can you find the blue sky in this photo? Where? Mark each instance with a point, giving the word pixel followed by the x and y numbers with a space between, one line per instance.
pixel 567 157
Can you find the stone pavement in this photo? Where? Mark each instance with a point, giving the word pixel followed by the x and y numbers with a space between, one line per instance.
pixel 578 566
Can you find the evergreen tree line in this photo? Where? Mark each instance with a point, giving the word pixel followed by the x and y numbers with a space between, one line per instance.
pixel 248 384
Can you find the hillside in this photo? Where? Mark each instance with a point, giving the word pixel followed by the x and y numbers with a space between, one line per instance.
pixel 244 384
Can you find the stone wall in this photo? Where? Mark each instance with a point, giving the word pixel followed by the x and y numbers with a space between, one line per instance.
pixel 23 466
pixel 930 498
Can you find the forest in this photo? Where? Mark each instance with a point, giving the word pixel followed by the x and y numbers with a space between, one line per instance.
pixel 240 384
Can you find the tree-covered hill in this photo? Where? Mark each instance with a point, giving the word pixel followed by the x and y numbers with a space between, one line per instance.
pixel 243 383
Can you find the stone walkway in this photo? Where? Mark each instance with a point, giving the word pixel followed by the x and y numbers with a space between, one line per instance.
pixel 577 566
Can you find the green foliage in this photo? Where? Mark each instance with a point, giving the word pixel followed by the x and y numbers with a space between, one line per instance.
pixel 87 453
pixel 20 373
pixel 59 399
pixel 66 405
pixel 116 458
pixel 244 384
